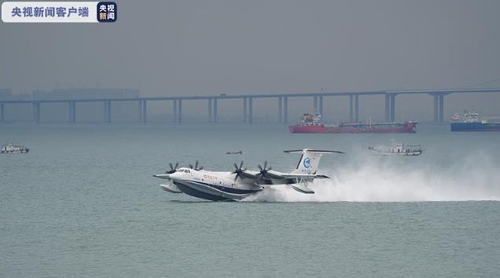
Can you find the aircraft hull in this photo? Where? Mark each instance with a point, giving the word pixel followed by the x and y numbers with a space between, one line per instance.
pixel 172 188
pixel 209 192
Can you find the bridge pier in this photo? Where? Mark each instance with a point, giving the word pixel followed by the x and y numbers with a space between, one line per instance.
pixel 353 107
pixel 441 108
pixel 36 111
pixel 2 113
pixel 438 107
pixel 209 108
pixel 390 107
pixel 285 109
pixel 245 110
pixel 318 105
pixel 142 111
pixel 387 108
pixel 72 112
pixel 393 107
pixel 174 102
pixel 250 110
pixel 215 110
pixel 356 108
pixel 107 111
pixel 179 110
pixel 280 109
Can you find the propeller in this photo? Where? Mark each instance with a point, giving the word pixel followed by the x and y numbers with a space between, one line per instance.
pixel 238 170
pixel 195 166
pixel 172 168
pixel 263 170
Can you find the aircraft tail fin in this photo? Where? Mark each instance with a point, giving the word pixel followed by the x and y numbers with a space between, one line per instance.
pixel 309 160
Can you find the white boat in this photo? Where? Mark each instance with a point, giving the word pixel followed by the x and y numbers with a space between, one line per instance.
pixel 11 148
pixel 397 149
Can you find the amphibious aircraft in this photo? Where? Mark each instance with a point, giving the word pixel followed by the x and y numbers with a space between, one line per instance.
pixel 241 183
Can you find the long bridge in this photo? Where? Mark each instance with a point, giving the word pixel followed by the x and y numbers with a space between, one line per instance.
pixel 247 102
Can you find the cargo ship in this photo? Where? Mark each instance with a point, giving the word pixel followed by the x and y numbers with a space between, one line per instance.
pixel 471 122
pixel 310 123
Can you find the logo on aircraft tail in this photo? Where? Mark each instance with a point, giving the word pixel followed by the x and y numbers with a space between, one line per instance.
pixel 307 162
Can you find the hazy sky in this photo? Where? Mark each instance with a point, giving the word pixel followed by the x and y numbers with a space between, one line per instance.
pixel 210 47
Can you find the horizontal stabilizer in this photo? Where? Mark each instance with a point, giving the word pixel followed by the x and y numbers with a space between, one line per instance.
pixel 312 150
pixel 302 189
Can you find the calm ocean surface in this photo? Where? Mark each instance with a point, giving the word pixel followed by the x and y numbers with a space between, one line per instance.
pixel 83 203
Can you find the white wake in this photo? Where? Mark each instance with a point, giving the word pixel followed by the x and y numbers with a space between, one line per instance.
pixel 475 177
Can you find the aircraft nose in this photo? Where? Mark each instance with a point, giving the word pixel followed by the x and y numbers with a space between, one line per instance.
pixel 162 176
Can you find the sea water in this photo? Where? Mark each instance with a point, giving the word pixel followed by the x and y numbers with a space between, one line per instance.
pixel 83 203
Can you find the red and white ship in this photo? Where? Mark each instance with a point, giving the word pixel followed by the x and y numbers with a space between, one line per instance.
pixel 311 123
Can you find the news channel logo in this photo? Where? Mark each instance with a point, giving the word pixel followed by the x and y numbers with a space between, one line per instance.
pixel 59 12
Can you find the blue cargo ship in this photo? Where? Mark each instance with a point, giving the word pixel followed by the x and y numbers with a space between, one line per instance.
pixel 471 122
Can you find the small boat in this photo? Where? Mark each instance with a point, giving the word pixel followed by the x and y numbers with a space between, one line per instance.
pixel 11 148
pixel 397 149
pixel 238 152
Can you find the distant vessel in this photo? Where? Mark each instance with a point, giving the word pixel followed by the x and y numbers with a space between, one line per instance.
pixel 397 149
pixel 11 148
pixel 471 122
pixel 310 123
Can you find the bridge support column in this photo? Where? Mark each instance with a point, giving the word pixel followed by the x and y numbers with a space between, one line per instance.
pixel 177 104
pixel 285 109
pixel 250 110
pixel 393 107
pixel 215 110
pixel 436 105
pixel 356 108
pixel 351 108
pixel 320 105
pixel 390 107
pixel 174 103
pixel 179 110
pixel 107 111
pixel 72 111
pixel 315 104
pixel 36 112
pixel 2 113
pixel 142 111
pixel 209 108
pixel 387 108
pixel 441 108
pixel 280 109
pixel 245 110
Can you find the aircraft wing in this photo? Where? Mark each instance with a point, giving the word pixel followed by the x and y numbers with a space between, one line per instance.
pixel 249 174
pixel 275 175
pixel 303 176
pixel 271 176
